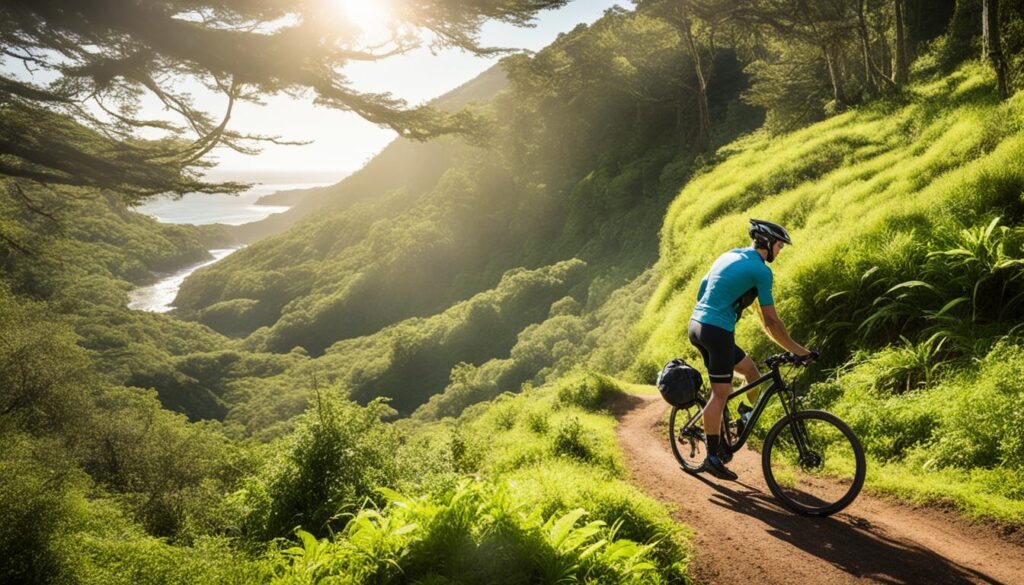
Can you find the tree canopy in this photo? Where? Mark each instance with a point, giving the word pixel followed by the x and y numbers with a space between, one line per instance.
pixel 73 116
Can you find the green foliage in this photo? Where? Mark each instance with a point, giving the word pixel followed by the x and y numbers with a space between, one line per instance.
pixel 550 350
pixel 977 291
pixel 907 366
pixel 169 473
pixel 982 425
pixel 413 359
pixel 958 439
pixel 586 390
pixel 565 484
pixel 529 527
pixel 37 495
pixel 476 532
pixel 570 440
pixel 105 548
pixel 46 377
pixel 337 456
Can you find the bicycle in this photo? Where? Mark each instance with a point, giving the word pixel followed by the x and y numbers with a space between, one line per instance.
pixel 803 455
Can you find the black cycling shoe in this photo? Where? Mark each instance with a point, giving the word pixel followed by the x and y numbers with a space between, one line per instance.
pixel 715 467
pixel 724 454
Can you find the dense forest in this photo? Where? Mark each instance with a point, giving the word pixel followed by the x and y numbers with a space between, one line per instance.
pixel 406 378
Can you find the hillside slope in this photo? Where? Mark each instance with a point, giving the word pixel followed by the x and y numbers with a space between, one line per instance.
pixel 578 169
pixel 907 269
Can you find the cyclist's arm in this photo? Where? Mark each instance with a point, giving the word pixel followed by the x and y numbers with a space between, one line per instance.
pixel 776 330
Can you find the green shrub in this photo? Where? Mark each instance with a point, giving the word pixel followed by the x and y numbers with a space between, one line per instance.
pixel 335 459
pixel 505 415
pixel 556 486
pixel 588 391
pixel 169 472
pixel 537 422
pixel 36 505
pixel 571 440
pixel 982 423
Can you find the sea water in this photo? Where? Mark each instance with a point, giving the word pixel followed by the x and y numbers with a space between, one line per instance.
pixel 200 209
pixel 159 296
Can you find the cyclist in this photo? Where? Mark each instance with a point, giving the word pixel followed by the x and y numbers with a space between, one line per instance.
pixel 734 281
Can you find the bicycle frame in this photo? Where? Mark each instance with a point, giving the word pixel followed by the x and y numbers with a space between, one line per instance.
pixel 778 385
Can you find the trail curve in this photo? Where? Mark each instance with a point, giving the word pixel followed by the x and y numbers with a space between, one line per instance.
pixel 743 536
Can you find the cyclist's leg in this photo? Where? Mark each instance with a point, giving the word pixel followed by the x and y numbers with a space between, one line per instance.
pixel 746 367
pixel 716 346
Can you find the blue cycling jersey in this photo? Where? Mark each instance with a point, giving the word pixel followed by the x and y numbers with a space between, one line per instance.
pixel 731 284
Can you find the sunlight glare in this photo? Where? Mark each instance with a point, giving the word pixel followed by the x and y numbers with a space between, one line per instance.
pixel 371 17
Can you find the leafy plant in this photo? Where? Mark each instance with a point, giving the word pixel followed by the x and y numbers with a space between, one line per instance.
pixel 478 532
pixel 338 456
pixel 571 440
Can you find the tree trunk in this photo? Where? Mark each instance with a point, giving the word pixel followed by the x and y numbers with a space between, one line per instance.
pixel 865 47
pixel 835 76
pixel 911 28
pixel 990 42
pixel 885 55
pixel 901 67
pixel 704 135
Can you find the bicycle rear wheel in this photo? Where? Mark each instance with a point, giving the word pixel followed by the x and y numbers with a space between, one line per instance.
pixel 687 441
pixel 813 463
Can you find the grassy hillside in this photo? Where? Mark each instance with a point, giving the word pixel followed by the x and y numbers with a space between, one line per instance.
pixel 907 269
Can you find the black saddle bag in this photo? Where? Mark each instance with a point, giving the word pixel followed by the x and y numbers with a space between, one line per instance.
pixel 679 383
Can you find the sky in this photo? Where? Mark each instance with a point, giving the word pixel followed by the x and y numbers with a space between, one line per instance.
pixel 342 141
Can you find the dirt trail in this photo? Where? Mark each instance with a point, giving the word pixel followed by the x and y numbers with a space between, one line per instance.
pixel 744 536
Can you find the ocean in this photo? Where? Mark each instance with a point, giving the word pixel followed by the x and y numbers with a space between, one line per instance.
pixel 201 209
pixel 159 296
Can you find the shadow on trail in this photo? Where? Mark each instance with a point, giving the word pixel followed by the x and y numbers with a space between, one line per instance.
pixel 620 403
pixel 848 542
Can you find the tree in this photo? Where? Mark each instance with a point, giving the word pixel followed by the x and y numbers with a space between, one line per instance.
pixel 992 46
pixel 805 32
pixel 74 118
pixel 680 14
pixel 902 65
pixel 696 21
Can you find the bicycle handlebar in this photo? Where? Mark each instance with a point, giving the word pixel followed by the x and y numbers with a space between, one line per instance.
pixel 791 359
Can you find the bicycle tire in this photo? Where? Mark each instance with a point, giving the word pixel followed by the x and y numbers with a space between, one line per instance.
pixel 690 448
pixel 813 492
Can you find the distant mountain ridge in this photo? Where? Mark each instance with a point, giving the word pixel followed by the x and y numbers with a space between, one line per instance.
pixel 400 153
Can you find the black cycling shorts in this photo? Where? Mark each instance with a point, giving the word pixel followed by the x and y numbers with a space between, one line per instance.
pixel 718 348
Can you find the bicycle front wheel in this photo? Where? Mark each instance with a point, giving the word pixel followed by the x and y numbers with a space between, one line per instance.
pixel 813 463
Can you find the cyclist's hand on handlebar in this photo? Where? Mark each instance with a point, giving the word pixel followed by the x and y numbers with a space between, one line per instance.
pixel 810 357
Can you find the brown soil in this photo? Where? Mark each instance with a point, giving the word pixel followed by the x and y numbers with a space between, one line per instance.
pixel 742 535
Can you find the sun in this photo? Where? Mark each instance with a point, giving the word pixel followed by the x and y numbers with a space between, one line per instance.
pixel 372 17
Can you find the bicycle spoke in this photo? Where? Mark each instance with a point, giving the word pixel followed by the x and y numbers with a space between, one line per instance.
pixel 812 464
pixel 687 439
